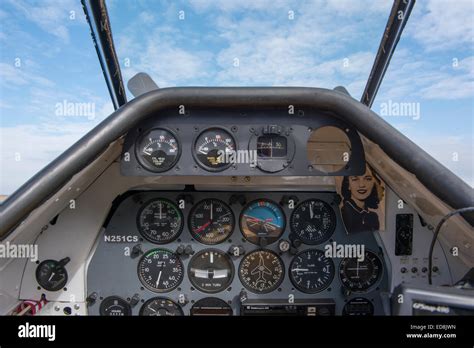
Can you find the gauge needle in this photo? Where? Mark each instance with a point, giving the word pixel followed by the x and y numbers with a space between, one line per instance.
pixel 160 210
pixel 203 227
pixel 300 269
pixel 51 277
pixel 158 280
pixel 211 210
pixel 311 213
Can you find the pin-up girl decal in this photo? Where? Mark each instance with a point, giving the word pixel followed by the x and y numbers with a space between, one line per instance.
pixel 362 196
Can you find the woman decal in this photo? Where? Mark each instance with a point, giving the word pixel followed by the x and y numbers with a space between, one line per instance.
pixel 361 197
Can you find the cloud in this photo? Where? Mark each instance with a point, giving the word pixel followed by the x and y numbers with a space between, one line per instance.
pixel 442 25
pixel 10 76
pixel 26 149
pixel 50 15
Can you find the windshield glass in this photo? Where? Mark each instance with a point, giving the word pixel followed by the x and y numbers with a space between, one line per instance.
pixel 250 43
pixel 428 90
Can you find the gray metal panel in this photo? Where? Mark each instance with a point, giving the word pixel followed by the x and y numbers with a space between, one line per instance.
pixel 112 273
pixel 242 125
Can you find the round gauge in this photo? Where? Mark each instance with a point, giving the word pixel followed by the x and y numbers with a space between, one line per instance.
pixel 160 307
pixel 211 147
pixel 160 221
pixel 211 221
pixel 311 271
pixel 261 271
pixel 158 150
pixel 114 306
pixel 160 270
pixel 313 221
pixel 211 270
pixel 262 222
pixel 211 306
pixel 51 274
pixel 359 276
pixel 358 306
pixel 274 151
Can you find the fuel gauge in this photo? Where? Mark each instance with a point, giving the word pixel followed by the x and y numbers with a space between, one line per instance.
pixel 158 150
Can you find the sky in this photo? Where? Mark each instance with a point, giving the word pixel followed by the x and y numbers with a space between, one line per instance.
pixel 52 91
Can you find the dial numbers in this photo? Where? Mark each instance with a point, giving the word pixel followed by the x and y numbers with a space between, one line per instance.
pixel 210 148
pixel 161 307
pixel 160 221
pixel 313 221
pixel 311 271
pixel 158 150
pixel 211 221
pixel 360 276
pixel 160 270
pixel 261 271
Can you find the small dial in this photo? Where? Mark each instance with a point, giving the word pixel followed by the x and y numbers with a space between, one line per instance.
pixel 160 221
pixel 114 306
pixel 211 147
pixel 313 221
pixel 358 306
pixel 158 150
pixel 311 271
pixel 262 222
pixel 160 270
pixel 360 276
pixel 261 271
pixel 211 271
pixel 51 275
pixel 161 307
pixel 211 221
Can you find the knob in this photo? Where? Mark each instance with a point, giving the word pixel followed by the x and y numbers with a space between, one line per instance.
pixel 414 270
pixel 403 270
pixel 188 250
pixel 180 250
pixel 284 245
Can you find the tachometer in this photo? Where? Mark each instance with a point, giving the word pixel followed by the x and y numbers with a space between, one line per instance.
pixel 311 271
pixel 160 221
pixel 210 148
pixel 211 270
pixel 262 221
pixel 261 271
pixel 211 221
pixel 161 307
pixel 313 221
pixel 360 276
pixel 158 150
pixel 160 270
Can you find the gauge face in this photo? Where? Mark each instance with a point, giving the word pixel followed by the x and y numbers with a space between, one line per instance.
pixel 261 271
pixel 211 270
pixel 161 307
pixel 313 221
pixel 114 306
pixel 210 148
pixel 358 306
pixel 158 150
pixel 160 221
pixel 51 275
pixel 211 306
pixel 360 276
pixel 271 146
pixel 160 270
pixel 211 221
pixel 311 271
pixel 262 221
